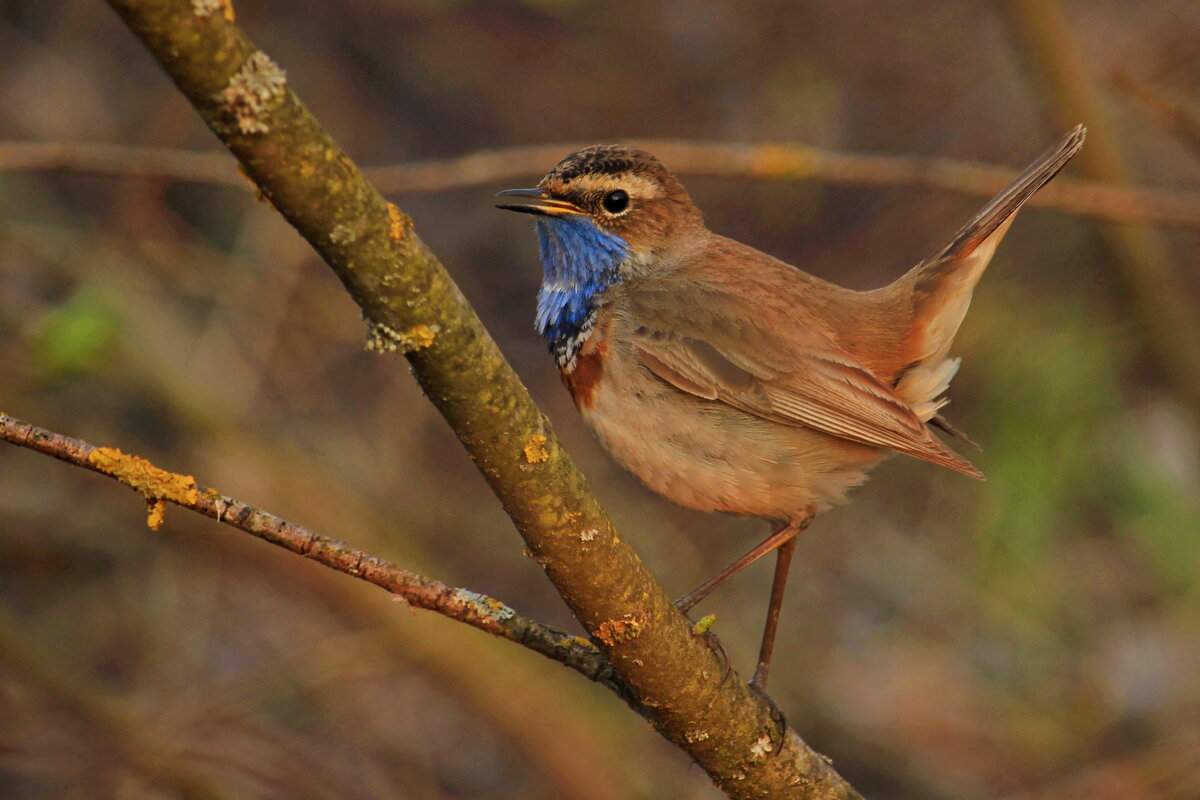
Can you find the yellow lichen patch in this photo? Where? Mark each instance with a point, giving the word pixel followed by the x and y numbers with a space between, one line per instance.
pixel 771 161
pixel 401 223
pixel 620 630
pixel 154 483
pixel 535 449
pixel 382 338
pixel 148 479
pixel 156 513
pixel 418 337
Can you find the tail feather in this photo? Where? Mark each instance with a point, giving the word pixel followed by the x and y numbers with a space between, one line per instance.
pixel 1005 204
pixel 940 287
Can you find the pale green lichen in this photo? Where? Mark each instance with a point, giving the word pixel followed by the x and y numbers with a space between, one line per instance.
pixel 383 338
pixel 202 8
pixel 251 92
pixel 341 234
pixel 488 606
pixel 761 747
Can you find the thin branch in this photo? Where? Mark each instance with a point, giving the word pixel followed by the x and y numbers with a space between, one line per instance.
pixel 759 161
pixel 479 611
pixel 795 162
pixel 114 159
pixel 412 306
pixel 1173 113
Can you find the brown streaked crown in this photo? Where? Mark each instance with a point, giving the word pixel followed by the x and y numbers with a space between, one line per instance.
pixel 607 159
pixel 658 208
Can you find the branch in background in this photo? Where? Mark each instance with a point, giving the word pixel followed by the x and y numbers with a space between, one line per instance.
pixel 1179 119
pixel 795 162
pixel 1161 301
pixel 479 611
pixel 115 159
pixel 759 161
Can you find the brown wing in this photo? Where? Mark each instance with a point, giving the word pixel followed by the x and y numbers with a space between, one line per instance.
pixel 765 364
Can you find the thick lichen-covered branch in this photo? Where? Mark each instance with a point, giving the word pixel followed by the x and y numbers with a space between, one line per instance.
pixel 412 305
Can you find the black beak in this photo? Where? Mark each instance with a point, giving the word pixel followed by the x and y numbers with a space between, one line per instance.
pixel 540 202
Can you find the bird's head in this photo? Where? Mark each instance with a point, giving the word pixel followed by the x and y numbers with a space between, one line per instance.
pixel 605 214
pixel 621 192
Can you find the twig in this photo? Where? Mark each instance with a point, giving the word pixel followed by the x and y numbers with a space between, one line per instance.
pixel 759 161
pixel 479 611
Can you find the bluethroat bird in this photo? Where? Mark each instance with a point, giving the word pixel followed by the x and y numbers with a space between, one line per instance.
pixel 728 380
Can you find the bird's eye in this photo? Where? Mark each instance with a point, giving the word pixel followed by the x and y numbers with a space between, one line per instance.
pixel 615 202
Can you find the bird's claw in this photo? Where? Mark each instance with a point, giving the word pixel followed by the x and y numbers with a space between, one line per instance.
pixel 777 715
pixel 703 629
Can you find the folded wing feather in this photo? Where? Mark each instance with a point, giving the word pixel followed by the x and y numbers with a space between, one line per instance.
pixel 823 388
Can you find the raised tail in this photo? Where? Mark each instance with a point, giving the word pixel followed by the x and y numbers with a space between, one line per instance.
pixel 940 287
pixel 984 226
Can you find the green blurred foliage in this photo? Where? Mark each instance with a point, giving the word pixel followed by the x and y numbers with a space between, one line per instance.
pixel 79 336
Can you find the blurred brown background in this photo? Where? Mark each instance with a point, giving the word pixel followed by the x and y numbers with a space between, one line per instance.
pixel 1034 636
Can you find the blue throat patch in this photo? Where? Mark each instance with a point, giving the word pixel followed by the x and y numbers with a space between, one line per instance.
pixel 579 261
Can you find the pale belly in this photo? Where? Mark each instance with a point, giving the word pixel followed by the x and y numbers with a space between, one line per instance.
pixel 712 457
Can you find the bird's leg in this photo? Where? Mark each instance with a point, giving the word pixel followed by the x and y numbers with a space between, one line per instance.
pixel 781 535
pixel 783 560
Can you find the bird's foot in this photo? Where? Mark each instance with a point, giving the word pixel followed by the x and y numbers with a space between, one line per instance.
pixel 777 716
pixel 703 628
